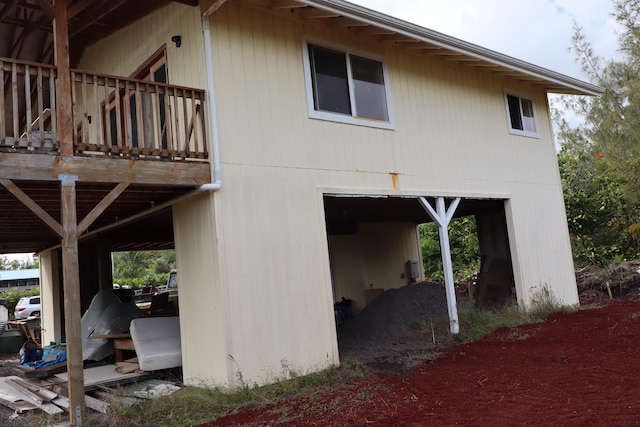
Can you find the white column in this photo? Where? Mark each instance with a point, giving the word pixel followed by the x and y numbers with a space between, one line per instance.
pixel 442 217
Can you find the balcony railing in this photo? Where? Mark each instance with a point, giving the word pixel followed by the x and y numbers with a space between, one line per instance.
pixel 112 116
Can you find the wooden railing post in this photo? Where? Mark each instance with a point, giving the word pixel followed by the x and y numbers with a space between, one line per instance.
pixel 63 80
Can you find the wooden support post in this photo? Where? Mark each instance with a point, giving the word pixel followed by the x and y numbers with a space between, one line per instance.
pixel 64 101
pixel 73 325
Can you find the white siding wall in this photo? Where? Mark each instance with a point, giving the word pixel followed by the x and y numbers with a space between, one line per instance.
pixel 451 138
pixel 123 52
pixel 50 290
pixel 373 258
pixel 204 312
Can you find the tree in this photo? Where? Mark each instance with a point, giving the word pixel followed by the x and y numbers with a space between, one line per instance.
pixel 138 264
pixel 26 262
pixel 465 251
pixel 600 157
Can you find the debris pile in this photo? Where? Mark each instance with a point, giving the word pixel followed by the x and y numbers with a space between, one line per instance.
pixel 619 280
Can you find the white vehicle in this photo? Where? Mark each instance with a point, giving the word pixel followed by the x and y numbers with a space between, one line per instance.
pixel 27 307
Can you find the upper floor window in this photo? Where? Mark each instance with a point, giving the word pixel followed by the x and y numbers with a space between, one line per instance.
pixel 345 87
pixel 522 116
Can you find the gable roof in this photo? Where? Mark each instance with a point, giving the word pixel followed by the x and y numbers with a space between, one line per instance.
pixel 408 35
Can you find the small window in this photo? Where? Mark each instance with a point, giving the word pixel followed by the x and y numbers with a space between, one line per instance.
pixel 522 116
pixel 346 87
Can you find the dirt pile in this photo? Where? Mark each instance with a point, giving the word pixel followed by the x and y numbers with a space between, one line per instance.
pixel 393 323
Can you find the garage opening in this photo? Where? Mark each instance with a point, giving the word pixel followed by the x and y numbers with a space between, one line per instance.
pixel 383 271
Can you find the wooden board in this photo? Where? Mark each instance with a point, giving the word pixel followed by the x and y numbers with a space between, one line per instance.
pixel 47 371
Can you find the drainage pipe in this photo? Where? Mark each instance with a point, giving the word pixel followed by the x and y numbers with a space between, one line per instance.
pixel 213 116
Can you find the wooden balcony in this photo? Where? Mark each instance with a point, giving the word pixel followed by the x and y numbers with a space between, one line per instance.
pixel 113 117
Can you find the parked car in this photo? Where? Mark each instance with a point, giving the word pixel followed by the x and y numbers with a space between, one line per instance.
pixel 27 307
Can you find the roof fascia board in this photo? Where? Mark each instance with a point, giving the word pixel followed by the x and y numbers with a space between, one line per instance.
pixel 426 35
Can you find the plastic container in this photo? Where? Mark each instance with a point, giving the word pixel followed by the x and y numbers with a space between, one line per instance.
pixel 11 341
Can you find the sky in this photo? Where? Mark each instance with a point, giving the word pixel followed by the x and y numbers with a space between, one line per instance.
pixel 536 31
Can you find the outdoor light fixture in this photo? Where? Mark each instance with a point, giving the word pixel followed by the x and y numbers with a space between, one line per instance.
pixel 177 40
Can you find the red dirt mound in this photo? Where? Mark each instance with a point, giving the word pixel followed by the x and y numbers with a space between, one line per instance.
pixel 577 368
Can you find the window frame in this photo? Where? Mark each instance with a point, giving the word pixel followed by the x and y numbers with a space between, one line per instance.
pixel 338 117
pixel 521 132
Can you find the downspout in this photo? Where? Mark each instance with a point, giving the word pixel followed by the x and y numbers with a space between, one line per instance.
pixel 213 116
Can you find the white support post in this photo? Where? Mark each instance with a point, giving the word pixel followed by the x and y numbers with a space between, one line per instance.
pixel 442 217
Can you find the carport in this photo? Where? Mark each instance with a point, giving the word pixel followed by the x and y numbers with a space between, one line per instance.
pixel 347 215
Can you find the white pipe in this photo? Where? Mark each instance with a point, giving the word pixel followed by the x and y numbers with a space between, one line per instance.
pixel 213 116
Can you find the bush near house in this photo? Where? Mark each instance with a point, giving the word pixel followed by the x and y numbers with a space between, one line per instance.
pixel 155 279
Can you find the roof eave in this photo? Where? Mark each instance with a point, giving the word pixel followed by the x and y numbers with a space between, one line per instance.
pixel 556 82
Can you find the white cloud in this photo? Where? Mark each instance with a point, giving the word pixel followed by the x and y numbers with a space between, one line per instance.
pixel 539 32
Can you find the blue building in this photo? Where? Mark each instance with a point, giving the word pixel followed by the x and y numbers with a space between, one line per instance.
pixel 23 280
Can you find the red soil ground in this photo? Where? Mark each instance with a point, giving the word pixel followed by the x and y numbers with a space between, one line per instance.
pixel 580 368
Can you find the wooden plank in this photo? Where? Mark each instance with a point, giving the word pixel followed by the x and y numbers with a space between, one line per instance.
pixel 97 122
pixel 3 127
pixel 101 206
pixel 62 402
pixel 37 399
pixel 19 406
pixel 96 404
pixel 32 205
pixel 105 375
pixel 47 371
pixel 27 100
pixel 139 116
pixel 107 170
pixel 46 8
pixel 107 116
pixel 41 122
pixel 71 283
pixel 118 100
pixel 14 93
pixel 54 111
pixel 43 393
pixel 109 336
pixel 121 400
pixel 22 394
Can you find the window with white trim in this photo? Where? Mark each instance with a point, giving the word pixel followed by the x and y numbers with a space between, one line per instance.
pixel 522 116
pixel 345 87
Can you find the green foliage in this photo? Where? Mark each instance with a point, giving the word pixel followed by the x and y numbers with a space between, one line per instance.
pixel 148 279
pixel 476 323
pixel 600 158
pixel 13 296
pixel 598 213
pixel 465 251
pixel 138 268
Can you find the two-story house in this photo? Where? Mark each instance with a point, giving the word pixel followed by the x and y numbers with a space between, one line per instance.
pixel 287 149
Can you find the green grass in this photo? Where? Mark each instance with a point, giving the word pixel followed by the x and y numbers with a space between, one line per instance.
pixel 199 405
